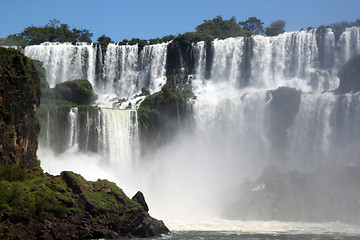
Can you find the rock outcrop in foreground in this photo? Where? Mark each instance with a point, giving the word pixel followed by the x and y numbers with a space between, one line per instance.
pixel 36 205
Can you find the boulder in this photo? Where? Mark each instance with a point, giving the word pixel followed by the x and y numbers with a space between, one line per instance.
pixel 139 197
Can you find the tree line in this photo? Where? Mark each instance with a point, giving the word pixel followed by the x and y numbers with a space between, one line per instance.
pixel 55 31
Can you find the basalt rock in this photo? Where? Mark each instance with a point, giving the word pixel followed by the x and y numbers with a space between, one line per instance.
pixel 19 98
pixel 69 207
pixel 139 197
pixel 349 76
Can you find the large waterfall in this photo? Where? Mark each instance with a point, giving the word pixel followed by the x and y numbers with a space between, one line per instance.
pixel 261 101
pixel 120 71
pixel 117 73
pixel 239 97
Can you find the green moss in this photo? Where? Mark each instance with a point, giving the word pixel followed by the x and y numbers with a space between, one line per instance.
pixel 30 195
pixel 27 195
pixel 102 197
pixel 78 91
pixel 161 114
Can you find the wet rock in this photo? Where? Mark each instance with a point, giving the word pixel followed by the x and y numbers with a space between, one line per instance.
pixel 139 197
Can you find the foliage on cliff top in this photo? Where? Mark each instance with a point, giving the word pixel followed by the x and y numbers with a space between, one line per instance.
pixel 53 31
pixel 78 91
pixel 30 195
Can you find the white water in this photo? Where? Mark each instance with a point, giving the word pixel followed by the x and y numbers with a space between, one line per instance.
pixel 121 74
pixel 259 227
pixel 234 138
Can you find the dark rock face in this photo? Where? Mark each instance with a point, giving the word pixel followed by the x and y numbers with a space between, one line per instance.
pixel 349 76
pixel 139 197
pixel 284 103
pixel 19 98
pixel 85 209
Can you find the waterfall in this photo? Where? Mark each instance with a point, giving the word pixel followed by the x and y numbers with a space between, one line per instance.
pixel 122 72
pixel 261 101
pixel 291 59
pixel 241 110
pixel 117 72
pixel 64 61
pixel 119 135
pixel 73 128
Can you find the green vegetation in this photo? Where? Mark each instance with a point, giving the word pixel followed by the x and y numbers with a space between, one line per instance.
pixel 104 41
pixel 275 28
pixel 220 28
pixel 162 113
pixel 53 31
pixel 28 196
pixel 253 25
pixel 78 91
pixel 19 97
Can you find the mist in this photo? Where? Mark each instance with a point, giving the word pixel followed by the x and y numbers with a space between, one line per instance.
pixel 271 140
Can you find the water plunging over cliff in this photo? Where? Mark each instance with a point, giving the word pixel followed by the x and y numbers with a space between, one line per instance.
pixel 121 71
pixel 238 100
pixel 117 73
pixel 260 101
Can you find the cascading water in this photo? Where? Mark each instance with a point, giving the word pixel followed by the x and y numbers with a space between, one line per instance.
pixel 118 73
pixel 64 61
pixel 260 101
pixel 290 60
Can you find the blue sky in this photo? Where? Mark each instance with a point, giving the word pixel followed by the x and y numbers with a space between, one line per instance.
pixel 147 19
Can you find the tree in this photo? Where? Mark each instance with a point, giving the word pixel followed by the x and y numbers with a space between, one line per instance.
pixel 104 40
pixel 276 28
pixel 53 31
pixel 220 28
pixel 253 25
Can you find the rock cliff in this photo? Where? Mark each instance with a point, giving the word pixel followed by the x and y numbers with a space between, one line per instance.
pixel 19 98
pixel 36 205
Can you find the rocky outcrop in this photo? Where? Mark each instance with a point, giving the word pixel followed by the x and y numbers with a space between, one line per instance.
pixel 163 113
pixel 19 98
pixel 317 196
pixel 69 207
pixel 349 76
pixel 283 103
pixel 35 205
pixel 78 91
pixel 139 197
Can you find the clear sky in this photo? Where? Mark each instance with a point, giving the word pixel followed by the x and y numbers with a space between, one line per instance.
pixel 120 19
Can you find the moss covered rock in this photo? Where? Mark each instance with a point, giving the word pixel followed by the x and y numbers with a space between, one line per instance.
pixel 19 98
pixel 163 113
pixel 78 91
pixel 37 205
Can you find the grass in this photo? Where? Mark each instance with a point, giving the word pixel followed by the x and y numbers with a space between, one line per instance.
pixel 30 195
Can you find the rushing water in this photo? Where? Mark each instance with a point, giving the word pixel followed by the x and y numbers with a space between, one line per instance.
pixel 261 101
pixel 255 230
